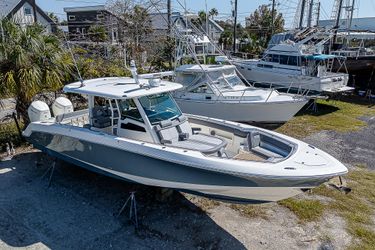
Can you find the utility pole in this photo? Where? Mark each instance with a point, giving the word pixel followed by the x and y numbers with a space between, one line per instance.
pixel 169 36
pixel 169 17
pixel 234 26
pixel 302 14
pixel 273 17
pixel 34 10
pixel 309 18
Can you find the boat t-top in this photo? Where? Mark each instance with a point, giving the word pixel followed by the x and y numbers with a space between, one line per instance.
pixel 217 91
pixel 134 130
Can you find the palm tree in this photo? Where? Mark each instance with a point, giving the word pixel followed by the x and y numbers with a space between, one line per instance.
pixel 202 16
pixel 97 33
pixel 213 12
pixel 31 62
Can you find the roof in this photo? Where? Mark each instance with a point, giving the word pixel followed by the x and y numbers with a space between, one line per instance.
pixel 205 67
pixel 85 8
pixel 9 7
pixel 119 87
pixel 159 21
pixel 6 6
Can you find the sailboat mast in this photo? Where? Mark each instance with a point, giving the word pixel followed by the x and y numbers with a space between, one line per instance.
pixel 309 18
pixel 339 8
pixel 302 14
pixel 351 15
pixel 318 15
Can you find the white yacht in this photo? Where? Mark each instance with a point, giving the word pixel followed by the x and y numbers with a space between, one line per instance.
pixel 217 91
pixel 134 130
pixel 297 66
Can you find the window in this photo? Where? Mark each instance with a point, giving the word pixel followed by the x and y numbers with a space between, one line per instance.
pixel 201 89
pixel 267 58
pixel 72 18
pixel 159 107
pixel 283 59
pixel 128 109
pixel 276 58
pixel 233 80
pixel 292 61
pixel 28 11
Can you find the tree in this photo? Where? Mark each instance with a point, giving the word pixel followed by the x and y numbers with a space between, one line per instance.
pixel 97 33
pixel 54 18
pixel 213 12
pixel 31 62
pixel 260 22
pixel 202 16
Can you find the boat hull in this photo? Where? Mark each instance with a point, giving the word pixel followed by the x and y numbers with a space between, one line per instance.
pixel 154 171
pixel 293 80
pixel 262 112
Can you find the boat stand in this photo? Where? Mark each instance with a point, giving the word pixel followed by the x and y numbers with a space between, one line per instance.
pixel 50 170
pixel 132 209
pixel 340 185
pixel 313 106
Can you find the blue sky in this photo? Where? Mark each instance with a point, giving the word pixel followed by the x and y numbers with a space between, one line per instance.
pixel 364 8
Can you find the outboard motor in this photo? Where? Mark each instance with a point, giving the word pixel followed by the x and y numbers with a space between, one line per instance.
pixel 39 111
pixel 62 106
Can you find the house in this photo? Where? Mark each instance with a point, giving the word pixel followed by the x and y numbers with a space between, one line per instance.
pixel 182 23
pixel 22 12
pixel 80 19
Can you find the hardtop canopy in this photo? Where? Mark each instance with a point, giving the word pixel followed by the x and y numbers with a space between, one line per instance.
pixel 120 87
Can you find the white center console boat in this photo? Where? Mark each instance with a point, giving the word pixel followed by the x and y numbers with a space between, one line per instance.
pixel 134 130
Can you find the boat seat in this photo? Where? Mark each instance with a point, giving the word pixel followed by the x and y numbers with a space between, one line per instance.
pixel 179 134
pixel 101 117
pixel 268 146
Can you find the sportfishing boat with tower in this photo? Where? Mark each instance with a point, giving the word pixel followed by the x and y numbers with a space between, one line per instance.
pixel 295 65
pixel 134 130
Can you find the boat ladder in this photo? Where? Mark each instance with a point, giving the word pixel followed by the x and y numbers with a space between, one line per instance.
pixel 115 114
pixel 330 65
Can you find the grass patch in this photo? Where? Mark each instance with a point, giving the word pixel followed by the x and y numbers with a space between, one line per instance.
pixel 9 132
pixel 207 204
pixel 357 207
pixel 332 115
pixel 305 210
pixel 250 211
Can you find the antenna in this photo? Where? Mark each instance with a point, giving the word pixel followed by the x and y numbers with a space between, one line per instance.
pixel 74 61
pixel 133 70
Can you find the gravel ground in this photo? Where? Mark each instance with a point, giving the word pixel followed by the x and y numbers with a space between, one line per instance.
pixel 351 148
pixel 78 211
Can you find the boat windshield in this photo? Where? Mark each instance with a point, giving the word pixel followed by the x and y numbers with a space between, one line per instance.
pixel 159 107
pixel 227 81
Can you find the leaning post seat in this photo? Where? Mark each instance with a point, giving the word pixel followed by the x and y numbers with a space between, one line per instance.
pixel 101 117
pixel 178 133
